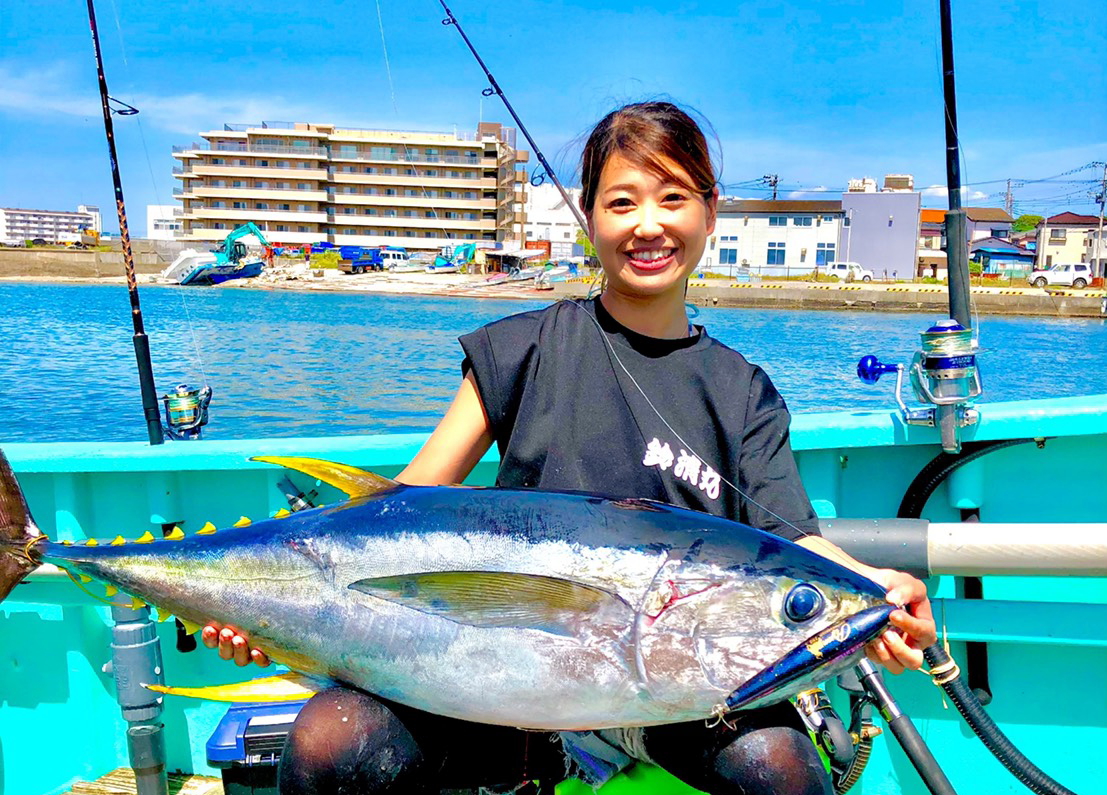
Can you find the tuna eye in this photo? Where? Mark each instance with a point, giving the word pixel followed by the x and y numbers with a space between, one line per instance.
pixel 803 603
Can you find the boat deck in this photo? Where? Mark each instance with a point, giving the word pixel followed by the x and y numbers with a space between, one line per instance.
pixel 122 782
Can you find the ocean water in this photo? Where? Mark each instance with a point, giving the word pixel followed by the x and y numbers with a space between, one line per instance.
pixel 285 363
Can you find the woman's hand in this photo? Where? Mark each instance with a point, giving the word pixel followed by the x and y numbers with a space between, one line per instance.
pixel 899 648
pixel 232 645
pixel 914 629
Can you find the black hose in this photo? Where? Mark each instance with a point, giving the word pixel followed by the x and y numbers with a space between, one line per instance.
pixel 986 729
pixel 940 468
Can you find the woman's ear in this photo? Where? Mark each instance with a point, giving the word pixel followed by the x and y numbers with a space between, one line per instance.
pixel 712 209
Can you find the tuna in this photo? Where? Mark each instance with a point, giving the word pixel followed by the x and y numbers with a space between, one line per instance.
pixel 533 609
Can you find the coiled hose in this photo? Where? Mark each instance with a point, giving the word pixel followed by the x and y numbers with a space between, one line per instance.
pixel 947 675
pixel 945 672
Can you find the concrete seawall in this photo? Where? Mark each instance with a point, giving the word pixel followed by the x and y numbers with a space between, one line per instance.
pixel 73 264
pixel 883 298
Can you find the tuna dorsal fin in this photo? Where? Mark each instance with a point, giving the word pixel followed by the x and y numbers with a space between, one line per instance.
pixel 351 480
pixel 498 599
pixel 285 687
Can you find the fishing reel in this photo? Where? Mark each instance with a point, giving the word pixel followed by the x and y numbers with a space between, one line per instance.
pixel 186 411
pixel 943 374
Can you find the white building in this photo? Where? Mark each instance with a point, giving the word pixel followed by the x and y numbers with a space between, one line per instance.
pixel 162 222
pixel 49 225
pixel 549 218
pixel 774 238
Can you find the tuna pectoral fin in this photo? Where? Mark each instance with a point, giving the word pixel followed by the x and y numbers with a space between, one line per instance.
pixel 285 687
pixel 17 532
pixel 351 480
pixel 501 599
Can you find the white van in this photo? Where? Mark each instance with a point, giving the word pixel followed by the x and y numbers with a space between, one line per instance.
pixel 849 272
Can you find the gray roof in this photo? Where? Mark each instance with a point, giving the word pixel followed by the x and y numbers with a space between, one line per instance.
pixel 782 206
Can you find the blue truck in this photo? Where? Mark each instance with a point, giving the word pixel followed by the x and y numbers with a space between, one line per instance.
pixel 362 259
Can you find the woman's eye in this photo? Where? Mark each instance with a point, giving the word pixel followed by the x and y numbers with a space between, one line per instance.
pixel 676 197
pixel 620 203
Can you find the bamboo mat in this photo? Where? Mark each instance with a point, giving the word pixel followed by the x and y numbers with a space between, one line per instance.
pixel 122 782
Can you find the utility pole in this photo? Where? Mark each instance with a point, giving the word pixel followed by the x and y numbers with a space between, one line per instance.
pixel 1009 201
pixel 1101 198
pixel 772 180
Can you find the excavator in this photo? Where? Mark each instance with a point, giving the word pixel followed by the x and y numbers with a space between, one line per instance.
pixel 228 261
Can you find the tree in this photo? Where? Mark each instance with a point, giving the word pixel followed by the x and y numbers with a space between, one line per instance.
pixel 582 239
pixel 1026 222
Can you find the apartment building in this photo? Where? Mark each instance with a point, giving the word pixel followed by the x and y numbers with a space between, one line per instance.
pixel 17 225
pixel 774 238
pixel 303 183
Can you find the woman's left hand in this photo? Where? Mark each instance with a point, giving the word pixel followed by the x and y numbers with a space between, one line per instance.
pixel 913 627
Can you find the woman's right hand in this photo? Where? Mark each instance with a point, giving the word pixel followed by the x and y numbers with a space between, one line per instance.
pixel 232 645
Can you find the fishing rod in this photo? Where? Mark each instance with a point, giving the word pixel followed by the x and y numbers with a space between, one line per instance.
pixel 141 341
pixel 494 88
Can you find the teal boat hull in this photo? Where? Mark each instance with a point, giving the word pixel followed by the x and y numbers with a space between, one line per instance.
pixel 1046 636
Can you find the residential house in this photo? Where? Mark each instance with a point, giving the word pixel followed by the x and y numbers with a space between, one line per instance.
pixel 1000 256
pixel 773 238
pixel 982 222
pixel 930 256
pixel 1062 239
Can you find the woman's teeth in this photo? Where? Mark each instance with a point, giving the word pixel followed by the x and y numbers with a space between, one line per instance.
pixel 651 255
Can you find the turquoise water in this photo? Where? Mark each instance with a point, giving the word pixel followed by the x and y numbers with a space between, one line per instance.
pixel 285 363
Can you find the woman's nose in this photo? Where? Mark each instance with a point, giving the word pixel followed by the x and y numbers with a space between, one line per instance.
pixel 649 222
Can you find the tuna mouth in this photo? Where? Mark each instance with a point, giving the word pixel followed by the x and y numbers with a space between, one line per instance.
pixel 837 642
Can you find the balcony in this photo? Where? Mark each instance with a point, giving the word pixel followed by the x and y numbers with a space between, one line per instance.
pixel 227 171
pixel 242 215
pixel 258 194
pixel 315 152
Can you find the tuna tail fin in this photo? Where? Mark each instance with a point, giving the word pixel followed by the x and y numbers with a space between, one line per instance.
pixel 17 532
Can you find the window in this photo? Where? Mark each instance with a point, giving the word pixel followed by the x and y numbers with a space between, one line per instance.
pixel 263 163
pixel 370 170
pixel 217 161
pixel 282 228
pixel 219 204
pixel 282 164
pixel 1057 235
pixel 348 149
pixel 370 211
pixel 1000 233
pixel 728 256
pixel 778 220
pixel 302 229
pixel 303 186
pixel 261 184
pixel 239 205
pixel 775 254
pixel 269 141
pixel 304 208
pixel 348 211
pixel 236 183
pixel 261 205
pixel 242 162
pixel 824 254
pixel 283 185
pixel 801 220
pixel 284 207
pixel 215 226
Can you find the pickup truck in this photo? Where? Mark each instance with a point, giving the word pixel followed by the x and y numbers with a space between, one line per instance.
pixel 849 272
pixel 1078 275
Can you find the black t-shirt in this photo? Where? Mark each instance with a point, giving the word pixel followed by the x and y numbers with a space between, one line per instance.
pixel 559 387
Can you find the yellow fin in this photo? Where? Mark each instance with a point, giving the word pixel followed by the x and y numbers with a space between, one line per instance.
pixel 92 542
pixel 206 530
pixel 136 603
pixel 270 689
pixel 110 591
pixel 351 480
pixel 163 615
pixel 84 577
pixel 118 541
pixel 189 627
pixel 283 512
pixel 243 521
pixel 145 538
pixel 176 534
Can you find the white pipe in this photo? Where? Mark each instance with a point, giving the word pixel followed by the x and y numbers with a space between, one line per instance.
pixel 1045 549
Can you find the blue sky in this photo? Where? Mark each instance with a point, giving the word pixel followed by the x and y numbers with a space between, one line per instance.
pixel 815 92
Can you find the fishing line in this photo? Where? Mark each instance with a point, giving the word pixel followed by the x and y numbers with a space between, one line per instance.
pixel 181 294
pixel 387 66
pixel 665 422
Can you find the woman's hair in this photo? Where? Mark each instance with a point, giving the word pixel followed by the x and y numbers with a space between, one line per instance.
pixel 651 134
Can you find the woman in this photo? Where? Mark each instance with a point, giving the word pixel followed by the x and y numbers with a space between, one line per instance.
pixel 619 395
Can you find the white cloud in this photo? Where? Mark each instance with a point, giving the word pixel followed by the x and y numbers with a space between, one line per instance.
pixel 941 192
pixel 52 90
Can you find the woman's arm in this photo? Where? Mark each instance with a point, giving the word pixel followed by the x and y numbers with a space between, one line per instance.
pixel 896 651
pixel 463 435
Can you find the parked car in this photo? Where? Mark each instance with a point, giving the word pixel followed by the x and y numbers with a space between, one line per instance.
pixel 1078 275
pixel 849 272
pixel 38 241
